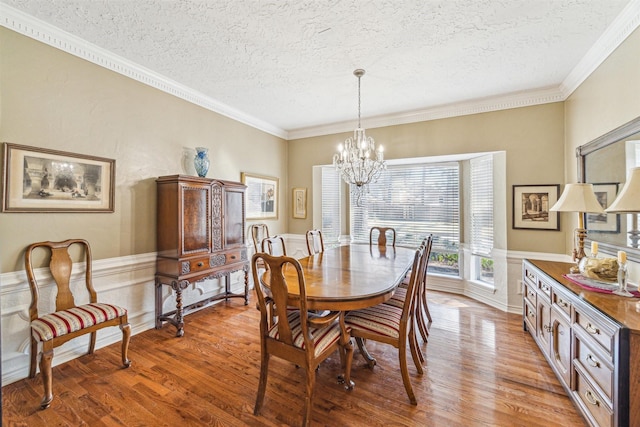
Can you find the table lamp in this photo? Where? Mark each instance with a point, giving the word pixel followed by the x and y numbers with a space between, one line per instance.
pixel 579 198
pixel 628 201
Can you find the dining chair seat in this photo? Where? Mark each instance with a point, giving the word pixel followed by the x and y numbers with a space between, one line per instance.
pixel 382 319
pixel 322 338
pixel 397 300
pixel 55 325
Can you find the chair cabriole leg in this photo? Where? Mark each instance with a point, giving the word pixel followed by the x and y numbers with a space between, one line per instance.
pixel 45 371
pixel 126 337
pixel 262 386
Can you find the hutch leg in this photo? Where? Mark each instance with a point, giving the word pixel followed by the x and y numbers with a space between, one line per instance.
pixel 179 317
pixel 158 304
pixel 246 286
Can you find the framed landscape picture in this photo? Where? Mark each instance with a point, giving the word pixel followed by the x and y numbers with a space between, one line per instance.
pixel 531 204
pixel 261 196
pixel 604 222
pixel 43 180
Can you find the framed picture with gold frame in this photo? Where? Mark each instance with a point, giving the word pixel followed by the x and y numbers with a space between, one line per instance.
pixel 43 180
pixel 261 196
pixel 299 203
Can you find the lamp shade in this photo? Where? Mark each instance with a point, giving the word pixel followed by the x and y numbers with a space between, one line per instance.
pixel 629 198
pixel 578 197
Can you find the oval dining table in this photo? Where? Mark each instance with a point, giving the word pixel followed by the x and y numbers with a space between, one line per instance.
pixel 349 277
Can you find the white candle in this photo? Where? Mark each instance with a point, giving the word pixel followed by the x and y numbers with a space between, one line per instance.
pixel 594 249
pixel 622 257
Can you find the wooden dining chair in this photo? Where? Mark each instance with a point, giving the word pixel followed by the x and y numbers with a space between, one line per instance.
pixel 274 246
pixel 258 232
pixel 392 325
pixel 315 243
pixel 382 235
pixel 52 328
pixel 421 309
pixel 296 336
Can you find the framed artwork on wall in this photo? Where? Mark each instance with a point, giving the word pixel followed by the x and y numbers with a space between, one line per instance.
pixel 262 196
pixel 42 180
pixel 531 205
pixel 299 203
pixel 604 223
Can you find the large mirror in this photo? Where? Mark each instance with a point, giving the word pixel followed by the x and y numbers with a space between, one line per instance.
pixel 605 163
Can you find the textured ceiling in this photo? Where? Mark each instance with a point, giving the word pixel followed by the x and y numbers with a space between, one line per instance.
pixel 290 63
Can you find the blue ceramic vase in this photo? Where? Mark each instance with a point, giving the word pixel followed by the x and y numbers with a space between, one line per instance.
pixel 201 161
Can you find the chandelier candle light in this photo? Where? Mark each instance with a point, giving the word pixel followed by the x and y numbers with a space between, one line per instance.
pixel 358 161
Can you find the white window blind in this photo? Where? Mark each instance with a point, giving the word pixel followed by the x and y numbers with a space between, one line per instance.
pixel 416 200
pixel 331 192
pixel 482 205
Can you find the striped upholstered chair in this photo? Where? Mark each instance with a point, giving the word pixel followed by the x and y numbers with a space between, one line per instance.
pixel 392 325
pixel 69 320
pixel 303 339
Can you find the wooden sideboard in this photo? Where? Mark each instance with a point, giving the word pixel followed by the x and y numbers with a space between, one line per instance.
pixel 200 235
pixel 590 339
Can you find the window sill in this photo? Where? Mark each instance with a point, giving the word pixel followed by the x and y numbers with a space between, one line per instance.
pixel 487 287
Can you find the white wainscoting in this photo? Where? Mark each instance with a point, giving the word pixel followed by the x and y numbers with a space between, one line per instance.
pixel 129 281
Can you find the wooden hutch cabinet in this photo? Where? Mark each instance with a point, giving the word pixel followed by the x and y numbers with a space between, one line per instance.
pixel 590 339
pixel 200 235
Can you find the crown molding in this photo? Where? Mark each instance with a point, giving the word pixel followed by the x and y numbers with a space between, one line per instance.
pixel 37 29
pixel 485 105
pixel 618 31
pixel 624 24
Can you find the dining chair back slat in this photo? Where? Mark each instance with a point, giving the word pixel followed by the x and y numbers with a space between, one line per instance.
pixel 381 233
pixel 315 243
pixel 274 246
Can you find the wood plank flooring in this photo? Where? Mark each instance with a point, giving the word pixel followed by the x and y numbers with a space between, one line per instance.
pixel 481 369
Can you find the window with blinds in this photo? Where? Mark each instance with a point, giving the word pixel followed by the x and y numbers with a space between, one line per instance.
pixel 416 200
pixel 331 195
pixel 481 207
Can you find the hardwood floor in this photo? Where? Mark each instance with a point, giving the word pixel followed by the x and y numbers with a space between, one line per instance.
pixel 481 369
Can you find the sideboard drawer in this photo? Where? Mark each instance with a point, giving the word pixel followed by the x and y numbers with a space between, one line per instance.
pixel 599 369
pixel 599 332
pixel 593 403
pixel 530 293
pixel 544 288
pixel 562 303
pixel 530 317
pixel 529 275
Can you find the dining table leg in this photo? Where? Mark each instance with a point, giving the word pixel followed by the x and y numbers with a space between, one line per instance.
pixel 371 361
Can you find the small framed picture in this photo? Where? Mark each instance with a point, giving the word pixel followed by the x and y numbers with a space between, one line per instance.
pixel 43 180
pixel 604 222
pixel 261 196
pixel 300 203
pixel 531 204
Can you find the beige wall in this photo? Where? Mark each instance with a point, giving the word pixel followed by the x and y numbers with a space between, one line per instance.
pixel 532 138
pixel 609 98
pixel 51 99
